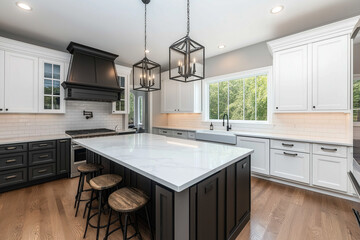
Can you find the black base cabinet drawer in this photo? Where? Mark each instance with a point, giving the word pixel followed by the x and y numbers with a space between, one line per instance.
pixel 41 157
pixel 42 145
pixel 42 171
pixel 14 160
pixel 12 177
pixel 11 148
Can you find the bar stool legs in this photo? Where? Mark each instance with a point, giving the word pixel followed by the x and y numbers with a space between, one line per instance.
pixel 78 200
pixel 148 221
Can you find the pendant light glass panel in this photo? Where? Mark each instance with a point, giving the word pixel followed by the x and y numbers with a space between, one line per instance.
pixel 146 76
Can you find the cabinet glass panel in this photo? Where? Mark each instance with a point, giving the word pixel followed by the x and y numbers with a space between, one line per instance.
pixel 51 86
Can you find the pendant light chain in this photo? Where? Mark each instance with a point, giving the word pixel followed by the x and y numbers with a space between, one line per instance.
pixel 145 28
pixel 188 17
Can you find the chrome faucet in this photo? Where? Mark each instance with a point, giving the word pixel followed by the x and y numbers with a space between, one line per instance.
pixel 228 126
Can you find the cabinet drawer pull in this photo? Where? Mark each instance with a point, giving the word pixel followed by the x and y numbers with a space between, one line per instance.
pixel 164 131
pixel 10 177
pixel 44 156
pixel 10 160
pixel 179 133
pixel 244 165
pixel 62 141
pixel 43 145
pixel 291 154
pixel 287 145
pixel 329 149
pixel 42 171
pixel 11 148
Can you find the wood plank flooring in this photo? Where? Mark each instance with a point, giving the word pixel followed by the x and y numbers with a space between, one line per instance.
pixel 278 212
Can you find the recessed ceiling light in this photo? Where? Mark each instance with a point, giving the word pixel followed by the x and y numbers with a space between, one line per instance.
pixel 23 6
pixel 147 51
pixel 221 46
pixel 277 9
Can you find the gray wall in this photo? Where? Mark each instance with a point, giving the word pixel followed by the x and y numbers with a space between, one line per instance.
pixel 251 57
pixel 357 58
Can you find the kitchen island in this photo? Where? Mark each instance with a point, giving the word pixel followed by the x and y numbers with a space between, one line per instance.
pixel 198 190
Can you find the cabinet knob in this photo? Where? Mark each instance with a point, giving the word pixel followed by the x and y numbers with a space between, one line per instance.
pixel 277 107
pixel 313 106
pixel 6 109
pixel 1 109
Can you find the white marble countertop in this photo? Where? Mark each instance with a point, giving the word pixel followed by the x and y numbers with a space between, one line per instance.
pixel 309 139
pixel 174 163
pixel 32 138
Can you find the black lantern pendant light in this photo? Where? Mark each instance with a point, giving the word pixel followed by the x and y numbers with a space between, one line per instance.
pixel 146 73
pixel 187 57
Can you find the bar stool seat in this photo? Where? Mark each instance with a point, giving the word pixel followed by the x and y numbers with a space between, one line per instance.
pixel 89 168
pixel 105 181
pixel 102 185
pixel 128 199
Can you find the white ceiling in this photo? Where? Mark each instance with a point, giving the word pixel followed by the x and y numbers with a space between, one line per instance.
pixel 117 25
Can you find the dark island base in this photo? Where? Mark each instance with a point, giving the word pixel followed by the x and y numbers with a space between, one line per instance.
pixel 216 208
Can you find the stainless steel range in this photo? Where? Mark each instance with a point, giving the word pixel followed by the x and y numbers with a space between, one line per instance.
pixel 78 153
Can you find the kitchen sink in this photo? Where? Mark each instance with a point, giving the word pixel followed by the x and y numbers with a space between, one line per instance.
pixel 216 136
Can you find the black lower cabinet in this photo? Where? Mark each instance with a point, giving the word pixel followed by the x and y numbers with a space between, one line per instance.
pixel 164 214
pixel 237 197
pixel 63 156
pixel 207 208
pixel 26 164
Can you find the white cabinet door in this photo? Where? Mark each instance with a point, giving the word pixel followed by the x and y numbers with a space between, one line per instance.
pixel 330 172
pixel 291 79
pixel 186 97
pixel 290 165
pixel 260 158
pixel 170 96
pixel 51 93
pixel 331 74
pixel 21 82
pixel 2 81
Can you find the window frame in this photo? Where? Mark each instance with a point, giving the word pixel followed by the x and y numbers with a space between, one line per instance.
pixel 355 79
pixel 134 105
pixel 140 111
pixel 233 76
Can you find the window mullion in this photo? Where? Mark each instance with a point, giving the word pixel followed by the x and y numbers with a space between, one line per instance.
pixel 244 99
pixel 255 98
pixel 228 96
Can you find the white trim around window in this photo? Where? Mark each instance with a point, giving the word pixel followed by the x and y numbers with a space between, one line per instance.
pixel 355 79
pixel 244 74
pixel 140 110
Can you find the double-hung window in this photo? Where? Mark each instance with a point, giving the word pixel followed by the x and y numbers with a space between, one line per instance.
pixel 242 96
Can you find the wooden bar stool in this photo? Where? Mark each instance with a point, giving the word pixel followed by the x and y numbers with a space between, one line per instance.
pixel 84 169
pixel 100 183
pixel 128 200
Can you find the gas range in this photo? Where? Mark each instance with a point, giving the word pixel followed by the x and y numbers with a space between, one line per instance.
pixel 86 133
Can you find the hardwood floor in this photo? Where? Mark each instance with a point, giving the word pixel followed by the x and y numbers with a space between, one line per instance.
pixel 283 212
pixel 278 212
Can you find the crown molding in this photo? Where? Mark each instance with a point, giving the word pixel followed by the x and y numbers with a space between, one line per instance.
pixel 344 27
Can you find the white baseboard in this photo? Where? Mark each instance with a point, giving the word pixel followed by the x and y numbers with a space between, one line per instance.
pixel 310 188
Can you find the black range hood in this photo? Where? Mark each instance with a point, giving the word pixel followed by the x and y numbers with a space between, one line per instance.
pixel 92 75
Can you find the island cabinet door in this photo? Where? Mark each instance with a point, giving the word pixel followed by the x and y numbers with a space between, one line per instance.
pixel 237 197
pixel 207 208
pixel 63 156
pixel 164 214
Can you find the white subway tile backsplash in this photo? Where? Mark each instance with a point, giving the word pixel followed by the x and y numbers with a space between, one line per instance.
pixel 15 125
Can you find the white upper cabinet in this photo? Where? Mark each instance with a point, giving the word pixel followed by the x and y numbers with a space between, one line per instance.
pixel 331 74
pixel 291 79
pixel 122 106
pixel 2 81
pixel 179 97
pixel 51 93
pixel 21 83
pixel 312 69
pixel 31 77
